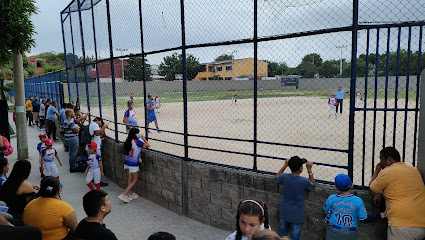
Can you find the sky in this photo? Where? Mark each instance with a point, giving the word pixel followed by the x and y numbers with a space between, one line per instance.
pixel 48 26
pixel 223 20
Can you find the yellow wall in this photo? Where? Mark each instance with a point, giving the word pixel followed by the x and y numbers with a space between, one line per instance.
pixel 242 67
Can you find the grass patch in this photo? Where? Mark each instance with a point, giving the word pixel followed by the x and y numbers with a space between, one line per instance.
pixel 175 97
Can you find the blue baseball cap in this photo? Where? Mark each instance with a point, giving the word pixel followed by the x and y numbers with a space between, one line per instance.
pixel 343 182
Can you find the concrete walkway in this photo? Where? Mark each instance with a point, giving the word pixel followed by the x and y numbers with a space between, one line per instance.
pixel 135 220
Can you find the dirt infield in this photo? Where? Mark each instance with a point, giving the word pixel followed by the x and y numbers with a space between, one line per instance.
pixel 291 120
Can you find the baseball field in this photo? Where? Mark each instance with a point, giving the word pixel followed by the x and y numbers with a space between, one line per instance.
pixel 296 117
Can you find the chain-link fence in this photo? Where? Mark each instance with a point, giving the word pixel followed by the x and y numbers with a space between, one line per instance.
pixel 248 84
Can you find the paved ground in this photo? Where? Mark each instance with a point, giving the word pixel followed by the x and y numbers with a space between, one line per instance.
pixel 135 220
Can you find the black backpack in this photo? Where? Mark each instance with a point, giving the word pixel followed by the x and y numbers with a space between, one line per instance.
pixel 85 135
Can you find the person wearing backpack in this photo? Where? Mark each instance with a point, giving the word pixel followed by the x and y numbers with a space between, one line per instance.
pixel 71 129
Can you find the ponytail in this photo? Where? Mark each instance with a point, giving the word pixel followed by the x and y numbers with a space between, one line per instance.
pixel 251 208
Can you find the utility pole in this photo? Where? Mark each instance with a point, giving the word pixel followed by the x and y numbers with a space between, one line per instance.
pixel 340 59
pixel 122 60
pixel 21 122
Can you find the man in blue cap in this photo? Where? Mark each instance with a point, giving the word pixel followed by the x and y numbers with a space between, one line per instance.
pixel 339 94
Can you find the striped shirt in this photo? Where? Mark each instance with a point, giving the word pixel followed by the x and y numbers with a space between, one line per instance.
pixel 68 126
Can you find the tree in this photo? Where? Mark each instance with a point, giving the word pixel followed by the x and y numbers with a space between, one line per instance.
pixel 306 69
pixel 173 65
pixel 313 58
pixel 223 57
pixel 16 36
pixel 329 69
pixel 52 59
pixel 134 70
pixel 275 68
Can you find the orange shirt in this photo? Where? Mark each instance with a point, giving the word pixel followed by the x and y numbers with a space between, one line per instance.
pixel 404 192
pixel 48 215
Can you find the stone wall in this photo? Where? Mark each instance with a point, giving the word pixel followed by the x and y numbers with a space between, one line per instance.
pixel 210 194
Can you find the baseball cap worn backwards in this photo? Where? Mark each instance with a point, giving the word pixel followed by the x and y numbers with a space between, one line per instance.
pixel 343 182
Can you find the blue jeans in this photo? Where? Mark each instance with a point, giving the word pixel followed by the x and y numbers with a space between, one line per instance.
pixel 293 228
pixel 342 233
pixel 72 145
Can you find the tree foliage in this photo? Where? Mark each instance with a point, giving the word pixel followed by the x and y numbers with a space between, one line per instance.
pixel 223 57
pixel 134 70
pixel 275 68
pixel 173 65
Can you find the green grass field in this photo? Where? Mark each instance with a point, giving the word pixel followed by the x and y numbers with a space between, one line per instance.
pixel 243 94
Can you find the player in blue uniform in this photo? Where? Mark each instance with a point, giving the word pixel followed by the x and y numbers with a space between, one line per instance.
pixel 344 210
pixel 150 108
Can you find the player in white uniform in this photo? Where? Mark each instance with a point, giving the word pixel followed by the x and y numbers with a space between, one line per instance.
pixel 130 116
pixel 48 157
pixel 94 168
pixel 359 96
pixel 332 102
pixel 234 99
pixel 40 147
pixel 157 105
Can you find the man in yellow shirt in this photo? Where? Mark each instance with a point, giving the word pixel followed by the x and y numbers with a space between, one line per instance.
pixel 404 192
pixel 29 111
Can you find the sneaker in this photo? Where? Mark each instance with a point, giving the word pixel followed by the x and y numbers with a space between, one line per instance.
pixel 103 184
pixel 124 198
pixel 134 196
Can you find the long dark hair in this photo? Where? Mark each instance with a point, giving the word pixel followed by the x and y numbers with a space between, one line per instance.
pixel 20 172
pixel 49 187
pixel 251 208
pixel 131 135
pixel 3 163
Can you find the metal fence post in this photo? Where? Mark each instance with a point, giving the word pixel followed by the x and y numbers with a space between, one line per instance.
pixel 255 84
pixel 73 55
pixel 418 89
pixel 95 54
pixel 84 58
pixel 185 188
pixel 66 59
pixel 111 55
pixel 142 44
pixel 421 130
pixel 353 88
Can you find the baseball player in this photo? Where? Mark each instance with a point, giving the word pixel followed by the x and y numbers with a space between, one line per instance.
pixel 340 98
pixel 94 168
pixel 359 96
pixel 130 116
pixel 150 107
pixel 48 158
pixel 332 102
pixel 234 99
pixel 157 105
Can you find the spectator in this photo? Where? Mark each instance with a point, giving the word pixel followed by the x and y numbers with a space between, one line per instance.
pixel 42 113
pixel 291 212
pixel 132 149
pixel 9 231
pixel 71 138
pixel 48 104
pixel 96 205
pixel 4 167
pixel 36 110
pixel 62 130
pixel 40 147
pixel 28 106
pixel 52 115
pixel 265 235
pixel 404 192
pixel 162 236
pixel 16 191
pixel 251 217
pixel 55 218
pixel 344 210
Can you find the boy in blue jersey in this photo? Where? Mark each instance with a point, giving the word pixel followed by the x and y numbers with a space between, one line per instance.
pixel 130 116
pixel 344 210
pixel 150 108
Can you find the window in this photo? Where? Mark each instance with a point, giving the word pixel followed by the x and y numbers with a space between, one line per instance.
pixel 219 68
pixel 228 78
pixel 211 69
pixel 229 68
pixel 203 78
